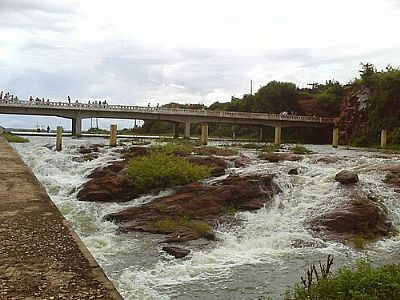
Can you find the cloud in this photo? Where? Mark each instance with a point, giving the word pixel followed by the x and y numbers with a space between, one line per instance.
pixel 37 15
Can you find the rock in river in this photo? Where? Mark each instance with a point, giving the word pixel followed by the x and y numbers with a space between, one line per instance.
pixel 357 217
pixel 346 177
pixel 176 251
pixel 189 214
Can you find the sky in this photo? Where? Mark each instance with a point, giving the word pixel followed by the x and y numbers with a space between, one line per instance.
pixel 155 51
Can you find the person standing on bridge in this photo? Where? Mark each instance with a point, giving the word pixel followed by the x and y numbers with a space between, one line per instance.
pixel 48 128
pixel 1 95
pixel 69 99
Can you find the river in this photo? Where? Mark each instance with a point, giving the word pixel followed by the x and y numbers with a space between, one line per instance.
pixel 261 257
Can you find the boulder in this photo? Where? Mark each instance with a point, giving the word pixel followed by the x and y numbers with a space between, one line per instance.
pixel 358 217
pixel 186 215
pixel 276 157
pixel 217 165
pixel 132 152
pixel 346 177
pixel 109 170
pixel 107 189
pixel 89 148
pixel 326 159
pixel 176 251
pixel 293 171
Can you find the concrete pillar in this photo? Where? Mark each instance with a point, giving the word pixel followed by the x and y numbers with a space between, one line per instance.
pixel 113 135
pixel 176 130
pixel 204 134
pixel 263 134
pixel 187 130
pixel 59 138
pixel 278 135
pixel 335 137
pixel 383 138
pixel 77 126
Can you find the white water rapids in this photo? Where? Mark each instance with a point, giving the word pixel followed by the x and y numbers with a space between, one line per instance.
pixel 261 256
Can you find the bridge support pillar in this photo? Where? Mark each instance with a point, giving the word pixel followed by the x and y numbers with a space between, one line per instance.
pixel 113 135
pixel 59 138
pixel 263 134
pixel 383 138
pixel 176 130
pixel 187 130
pixel 278 135
pixel 204 134
pixel 77 126
pixel 335 137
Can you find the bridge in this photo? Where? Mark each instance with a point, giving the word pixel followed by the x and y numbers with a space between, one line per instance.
pixel 78 111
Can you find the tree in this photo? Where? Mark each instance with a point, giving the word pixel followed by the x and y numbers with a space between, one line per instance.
pixel 275 97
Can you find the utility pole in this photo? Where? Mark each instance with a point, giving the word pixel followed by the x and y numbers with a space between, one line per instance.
pixel 251 87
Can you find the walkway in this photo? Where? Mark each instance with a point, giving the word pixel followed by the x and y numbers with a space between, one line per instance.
pixel 40 255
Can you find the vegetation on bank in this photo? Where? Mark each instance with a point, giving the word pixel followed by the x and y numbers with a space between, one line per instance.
pixel 383 109
pixel 363 282
pixel 383 105
pixel 12 138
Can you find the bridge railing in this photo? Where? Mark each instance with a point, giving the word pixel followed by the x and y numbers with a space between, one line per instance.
pixel 163 110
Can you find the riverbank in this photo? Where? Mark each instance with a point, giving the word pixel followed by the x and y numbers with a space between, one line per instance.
pixel 41 256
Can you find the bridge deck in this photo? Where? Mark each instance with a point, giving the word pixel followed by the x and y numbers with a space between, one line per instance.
pixel 85 108
pixel 40 255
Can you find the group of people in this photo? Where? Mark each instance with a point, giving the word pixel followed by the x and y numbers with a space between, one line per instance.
pixel 94 103
pixel 6 97
pixel 288 113
pixel 37 100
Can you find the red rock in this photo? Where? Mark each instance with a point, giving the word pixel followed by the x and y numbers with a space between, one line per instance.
pixel 357 217
pixel 107 189
pixel 276 157
pixel 346 177
pixel 176 251
pixel 217 165
pixel 197 203
pixel 114 168
pixel 326 159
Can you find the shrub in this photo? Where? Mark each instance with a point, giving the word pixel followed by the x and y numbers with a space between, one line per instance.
pixel 181 149
pixel 160 170
pixel 12 138
pixel 270 148
pixel 365 282
pixel 299 149
pixel 205 150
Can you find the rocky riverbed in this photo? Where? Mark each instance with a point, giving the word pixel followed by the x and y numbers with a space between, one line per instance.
pixel 255 252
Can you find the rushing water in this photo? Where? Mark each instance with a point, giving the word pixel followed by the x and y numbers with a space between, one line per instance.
pixel 261 257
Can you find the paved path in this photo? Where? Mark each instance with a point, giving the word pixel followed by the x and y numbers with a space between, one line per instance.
pixel 40 255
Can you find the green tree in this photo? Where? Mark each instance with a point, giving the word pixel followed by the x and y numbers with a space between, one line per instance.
pixel 276 97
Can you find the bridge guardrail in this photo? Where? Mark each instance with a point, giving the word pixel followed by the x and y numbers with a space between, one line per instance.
pixel 163 110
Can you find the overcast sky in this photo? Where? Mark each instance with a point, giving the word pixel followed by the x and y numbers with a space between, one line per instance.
pixel 158 51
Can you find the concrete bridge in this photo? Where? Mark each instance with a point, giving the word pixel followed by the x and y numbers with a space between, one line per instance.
pixel 78 111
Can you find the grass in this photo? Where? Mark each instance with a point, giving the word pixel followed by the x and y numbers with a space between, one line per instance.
pixel 299 149
pixel 270 148
pixel 207 150
pixel 359 242
pixel 168 224
pixel 363 283
pixel 12 138
pixel 172 148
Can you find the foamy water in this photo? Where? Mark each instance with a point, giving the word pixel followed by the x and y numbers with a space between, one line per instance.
pixel 266 253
